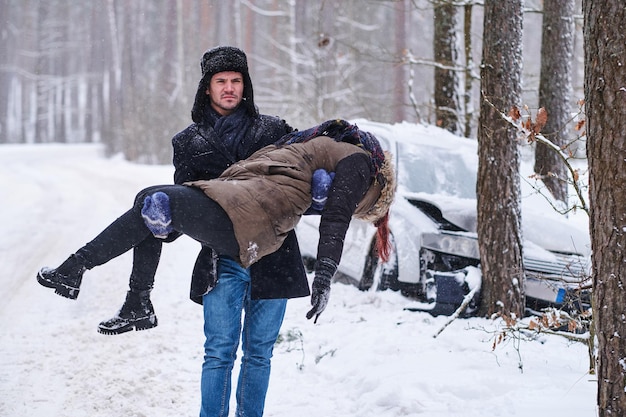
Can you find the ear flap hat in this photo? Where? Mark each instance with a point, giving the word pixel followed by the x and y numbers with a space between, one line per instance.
pixel 220 59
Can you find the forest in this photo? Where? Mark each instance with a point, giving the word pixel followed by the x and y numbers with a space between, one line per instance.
pixel 124 74
pixel 107 71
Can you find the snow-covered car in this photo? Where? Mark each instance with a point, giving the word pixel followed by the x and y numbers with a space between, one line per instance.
pixel 435 258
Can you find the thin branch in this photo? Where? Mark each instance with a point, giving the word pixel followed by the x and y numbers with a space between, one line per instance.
pixel 466 300
pixel 562 155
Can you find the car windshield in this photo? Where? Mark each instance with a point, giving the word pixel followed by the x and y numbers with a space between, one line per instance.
pixel 435 170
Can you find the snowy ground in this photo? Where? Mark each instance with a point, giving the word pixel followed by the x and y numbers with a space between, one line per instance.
pixel 365 357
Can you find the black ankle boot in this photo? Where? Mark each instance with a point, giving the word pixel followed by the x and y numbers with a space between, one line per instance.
pixel 66 278
pixel 137 313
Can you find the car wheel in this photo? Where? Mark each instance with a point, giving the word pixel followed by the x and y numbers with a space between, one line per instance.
pixel 384 274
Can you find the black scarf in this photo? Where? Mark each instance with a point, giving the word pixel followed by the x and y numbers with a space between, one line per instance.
pixel 232 130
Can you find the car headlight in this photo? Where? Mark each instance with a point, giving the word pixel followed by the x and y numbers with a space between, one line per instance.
pixel 452 243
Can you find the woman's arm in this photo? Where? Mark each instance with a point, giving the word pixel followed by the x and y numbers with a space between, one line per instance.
pixel 352 179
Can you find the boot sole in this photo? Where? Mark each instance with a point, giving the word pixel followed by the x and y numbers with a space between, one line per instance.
pixel 142 324
pixel 60 289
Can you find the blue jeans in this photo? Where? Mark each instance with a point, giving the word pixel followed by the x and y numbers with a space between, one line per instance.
pixel 223 307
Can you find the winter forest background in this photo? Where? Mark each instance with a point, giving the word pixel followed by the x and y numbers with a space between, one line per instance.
pixel 125 72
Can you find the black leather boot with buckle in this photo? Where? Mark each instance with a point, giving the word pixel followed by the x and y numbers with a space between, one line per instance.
pixel 66 278
pixel 137 313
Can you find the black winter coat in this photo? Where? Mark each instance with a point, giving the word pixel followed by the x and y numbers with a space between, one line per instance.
pixel 200 154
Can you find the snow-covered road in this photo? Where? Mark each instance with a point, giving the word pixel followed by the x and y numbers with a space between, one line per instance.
pixel 365 357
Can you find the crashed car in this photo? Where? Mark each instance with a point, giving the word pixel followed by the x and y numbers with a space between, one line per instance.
pixel 435 259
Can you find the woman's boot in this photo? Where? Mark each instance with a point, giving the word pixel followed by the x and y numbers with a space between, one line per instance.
pixel 66 278
pixel 137 313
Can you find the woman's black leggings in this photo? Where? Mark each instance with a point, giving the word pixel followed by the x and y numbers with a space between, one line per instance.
pixel 193 214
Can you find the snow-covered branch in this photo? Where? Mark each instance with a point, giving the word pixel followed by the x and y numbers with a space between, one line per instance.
pixel 531 131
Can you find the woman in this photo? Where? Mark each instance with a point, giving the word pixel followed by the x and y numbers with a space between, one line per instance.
pixel 253 205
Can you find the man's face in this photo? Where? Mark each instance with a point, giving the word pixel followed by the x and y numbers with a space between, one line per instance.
pixel 225 91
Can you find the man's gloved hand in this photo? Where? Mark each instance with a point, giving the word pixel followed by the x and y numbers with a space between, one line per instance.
pixel 157 215
pixel 320 292
pixel 320 185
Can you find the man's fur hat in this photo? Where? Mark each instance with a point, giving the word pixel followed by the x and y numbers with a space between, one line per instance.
pixel 220 59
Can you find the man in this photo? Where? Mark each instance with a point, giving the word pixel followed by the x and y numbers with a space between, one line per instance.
pixel 227 127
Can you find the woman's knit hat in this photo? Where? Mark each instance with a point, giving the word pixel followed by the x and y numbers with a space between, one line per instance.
pixel 220 59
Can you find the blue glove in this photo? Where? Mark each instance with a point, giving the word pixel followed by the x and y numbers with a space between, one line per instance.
pixel 320 185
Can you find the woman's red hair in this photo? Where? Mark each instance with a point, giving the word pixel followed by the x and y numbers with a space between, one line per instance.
pixel 383 243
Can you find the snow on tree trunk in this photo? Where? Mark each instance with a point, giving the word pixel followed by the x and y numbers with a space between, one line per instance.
pixel 555 89
pixel 498 186
pixel 446 80
pixel 605 95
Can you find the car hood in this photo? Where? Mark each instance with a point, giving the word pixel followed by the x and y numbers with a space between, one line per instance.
pixel 547 229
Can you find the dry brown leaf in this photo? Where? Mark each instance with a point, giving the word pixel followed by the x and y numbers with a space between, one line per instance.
pixel 541 120
pixel 514 113
pixel 528 125
pixel 572 326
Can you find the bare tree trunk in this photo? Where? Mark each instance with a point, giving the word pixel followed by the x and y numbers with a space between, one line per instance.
pixel 469 68
pixel 8 59
pixel 326 60
pixel 293 68
pixel 113 127
pixel 64 83
pixel 498 187
pixel 42 106
pixel 225 31
pixel 445 53
pixel 399 89
pixel 605 78
pixel 96 68
pixel 169 63
pixel 555 87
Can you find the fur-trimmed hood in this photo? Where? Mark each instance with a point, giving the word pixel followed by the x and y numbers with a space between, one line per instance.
pixel 387 178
